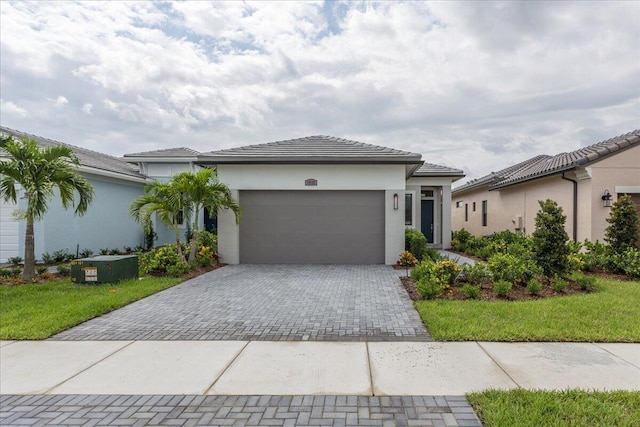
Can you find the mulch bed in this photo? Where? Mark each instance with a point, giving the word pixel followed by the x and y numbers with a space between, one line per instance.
pixel 517 293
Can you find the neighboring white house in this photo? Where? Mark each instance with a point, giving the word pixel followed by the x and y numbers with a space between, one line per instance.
pixel 321 199
pixel 578 181
pixel 317 199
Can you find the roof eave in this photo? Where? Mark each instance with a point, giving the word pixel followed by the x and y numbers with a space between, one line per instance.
pixel 303 161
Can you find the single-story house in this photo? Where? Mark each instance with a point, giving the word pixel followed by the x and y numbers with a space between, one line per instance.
pixel 317 199
pixel 584 182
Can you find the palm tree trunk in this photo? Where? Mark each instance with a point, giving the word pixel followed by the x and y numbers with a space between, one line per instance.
pixel 194 238
pixel 178 243
pixel 29 271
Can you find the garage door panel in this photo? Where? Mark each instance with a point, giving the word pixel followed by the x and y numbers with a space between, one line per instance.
pixel 312 227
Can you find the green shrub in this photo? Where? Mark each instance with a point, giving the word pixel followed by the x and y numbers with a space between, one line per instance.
pixel 502 288
pixel 47 258
pixel 15 260
pixel 205 256
pixel 477 273
pixel 86 253
pixel 550 239
pixel 10 272
pixel 513 269
pixel 478 247
pixel 597 256
pixel 164 259
pixel 630 263
pixel 558 284
pixel 61 255
pixel 431 287
pixel 585 282
pixel 42 269
pixel 470 291
pixel 534 287
pixel 447 268
pixel 622 233
pixel 460 240
pixel 178 269
pixel 432 254
pixel 208 239
pixel 64 269
pixel 415 242
pixel 422 270
pixel 105 251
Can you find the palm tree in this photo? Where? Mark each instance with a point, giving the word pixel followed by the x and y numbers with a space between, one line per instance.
pixel 167 201
pixel 39 171
pixel 203 190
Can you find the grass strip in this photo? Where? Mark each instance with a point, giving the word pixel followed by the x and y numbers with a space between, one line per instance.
pixel 612 314
pixel 38 311
pixel 536 408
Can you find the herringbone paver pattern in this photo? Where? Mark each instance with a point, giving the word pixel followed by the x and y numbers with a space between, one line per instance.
pixel 136 411
pixel 269 302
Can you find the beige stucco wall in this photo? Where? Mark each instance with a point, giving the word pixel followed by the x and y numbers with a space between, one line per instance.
pixel 620 170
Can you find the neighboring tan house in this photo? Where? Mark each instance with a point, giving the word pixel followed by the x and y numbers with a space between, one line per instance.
pixel 584 182
pixel 321 199
pixel 106 224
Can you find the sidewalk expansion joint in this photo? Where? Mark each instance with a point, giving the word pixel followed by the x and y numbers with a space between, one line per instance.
pixel 614 355
pixel 498 365
pixel 89 367
pixel 226 368
pixel 373 393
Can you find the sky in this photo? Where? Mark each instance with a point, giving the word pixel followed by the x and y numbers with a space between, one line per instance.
pixel 477 86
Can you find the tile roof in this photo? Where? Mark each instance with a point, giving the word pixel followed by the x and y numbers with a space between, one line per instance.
pixel 167 152
pixel 311 149
pixel 544 165
pixel 87 158
pixel 494 177
pixel 430 169
pixel 572 160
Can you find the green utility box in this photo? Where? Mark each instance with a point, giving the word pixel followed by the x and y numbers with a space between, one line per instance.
pixel 104 269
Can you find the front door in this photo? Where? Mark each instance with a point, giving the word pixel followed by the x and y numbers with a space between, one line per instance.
pixel 210 222
pixel 426 219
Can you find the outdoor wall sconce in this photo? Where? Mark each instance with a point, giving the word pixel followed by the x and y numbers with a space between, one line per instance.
pixel 395 202
pixel 606 199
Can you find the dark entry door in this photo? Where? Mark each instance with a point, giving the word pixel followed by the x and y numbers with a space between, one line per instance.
pixel 210 221
pixel 426 219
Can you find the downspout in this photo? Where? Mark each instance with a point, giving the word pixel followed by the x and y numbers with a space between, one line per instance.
pixel 575 206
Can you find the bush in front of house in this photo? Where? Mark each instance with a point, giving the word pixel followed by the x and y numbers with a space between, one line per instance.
pixel 431 287
pixel 470 291
pixel 534 287
pixel 586 283
pixel 64 270
pixel 550 249
pixel 502 288
pixel 415 242
pixel 164 259
pixel 422 269
pixel 477 273
pixel 622 232
pixel 513 269
pixel 629 262
pixel 558 284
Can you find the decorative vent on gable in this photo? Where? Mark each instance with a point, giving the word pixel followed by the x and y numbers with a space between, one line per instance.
pixel 311 182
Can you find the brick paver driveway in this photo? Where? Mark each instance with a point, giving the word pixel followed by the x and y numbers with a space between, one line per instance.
pixel 269 302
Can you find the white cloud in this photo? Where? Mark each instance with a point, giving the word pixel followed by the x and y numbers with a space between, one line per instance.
pixel 9 108
pixel 59 102
pixel 471 85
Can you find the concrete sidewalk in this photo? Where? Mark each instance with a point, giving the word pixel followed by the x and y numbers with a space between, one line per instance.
pixel 310 368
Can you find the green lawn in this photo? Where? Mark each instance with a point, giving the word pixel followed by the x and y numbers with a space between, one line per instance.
pixel 40 310
pixel 524 408
pixel 612 314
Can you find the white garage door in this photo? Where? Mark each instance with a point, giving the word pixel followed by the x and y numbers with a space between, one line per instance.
pixel 8 231
pixel 312 227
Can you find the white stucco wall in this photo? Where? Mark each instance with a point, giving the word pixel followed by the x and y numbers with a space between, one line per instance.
pixel 390 178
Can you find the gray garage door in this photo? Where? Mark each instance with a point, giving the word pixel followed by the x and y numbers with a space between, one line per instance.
pixel 312 227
